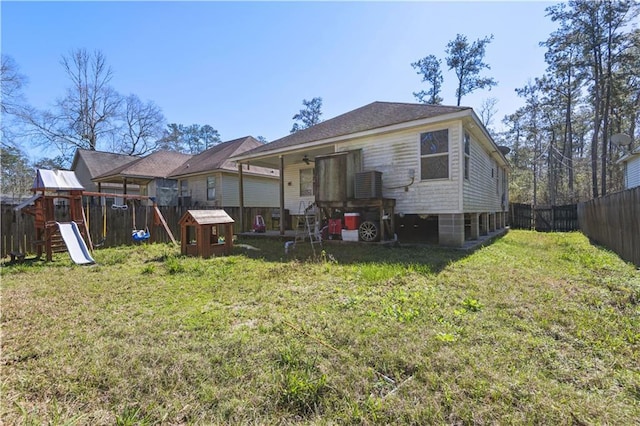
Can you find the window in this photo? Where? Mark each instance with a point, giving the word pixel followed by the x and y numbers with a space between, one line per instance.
pixel 306 182
pixel 467 155
pixel 434 155
pixel 211 188
pixel 184 188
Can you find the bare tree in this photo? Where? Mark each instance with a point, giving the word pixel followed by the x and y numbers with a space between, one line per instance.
pixel 11 100
pixel 488 111
pixel 141 129
pixel 86 116
pixel 12 84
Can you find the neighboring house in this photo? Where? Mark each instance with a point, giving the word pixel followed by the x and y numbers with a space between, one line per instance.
pixel 211 179
pixel 88 164
pixel 150 173
pixel 442 174
pixel 631 162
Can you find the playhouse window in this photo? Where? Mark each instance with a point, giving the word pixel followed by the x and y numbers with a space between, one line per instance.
pixel 211 188
pixel 306 182
pixel 434 155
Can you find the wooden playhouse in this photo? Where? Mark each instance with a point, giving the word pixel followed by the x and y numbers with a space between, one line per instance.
pixel 206 233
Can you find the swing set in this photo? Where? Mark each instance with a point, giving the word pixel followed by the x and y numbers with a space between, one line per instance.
pixel 137 235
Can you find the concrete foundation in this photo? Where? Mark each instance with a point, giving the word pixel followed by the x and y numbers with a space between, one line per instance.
pixel 451 230
pixel 474 226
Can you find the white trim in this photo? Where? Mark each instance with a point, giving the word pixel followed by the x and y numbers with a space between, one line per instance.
pixel 439 154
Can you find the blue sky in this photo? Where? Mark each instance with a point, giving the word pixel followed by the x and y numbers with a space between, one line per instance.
pixel 245 67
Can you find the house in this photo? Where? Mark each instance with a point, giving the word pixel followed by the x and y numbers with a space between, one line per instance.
pixel 631 162
pixel 211 179
pixel 433 171
pixel 150 174
pixel 89 164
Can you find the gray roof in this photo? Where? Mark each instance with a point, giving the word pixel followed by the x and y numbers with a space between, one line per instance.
pixel 159 164
pixel 99 162
pixel 372 116
pixel 217 157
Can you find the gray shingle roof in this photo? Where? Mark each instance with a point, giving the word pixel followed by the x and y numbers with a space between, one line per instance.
pixel 372 116
pixel 217 157
pixel 159 164
pixel 99 162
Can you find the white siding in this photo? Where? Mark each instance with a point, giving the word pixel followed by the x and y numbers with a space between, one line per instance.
pixel 397 156
pixel 479 192
pixel 633 172
pixel 292 196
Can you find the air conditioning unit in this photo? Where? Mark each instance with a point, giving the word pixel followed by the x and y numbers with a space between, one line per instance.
pixel 368 185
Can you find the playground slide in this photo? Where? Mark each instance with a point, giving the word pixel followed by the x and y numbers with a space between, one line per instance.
pixel 75 244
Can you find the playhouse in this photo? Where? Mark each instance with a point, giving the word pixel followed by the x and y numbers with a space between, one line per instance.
pixel 206 233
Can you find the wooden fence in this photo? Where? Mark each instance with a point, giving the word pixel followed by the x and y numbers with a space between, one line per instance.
pixel 18 231
pixel 614 222
pixel 544 218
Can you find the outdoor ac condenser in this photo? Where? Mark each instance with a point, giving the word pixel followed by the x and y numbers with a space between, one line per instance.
pixel 368 185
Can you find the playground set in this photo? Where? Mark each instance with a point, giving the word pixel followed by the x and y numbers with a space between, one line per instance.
pixel 72 235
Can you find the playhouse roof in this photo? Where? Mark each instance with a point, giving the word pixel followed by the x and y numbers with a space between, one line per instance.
pixel 206 217
pixel 56 180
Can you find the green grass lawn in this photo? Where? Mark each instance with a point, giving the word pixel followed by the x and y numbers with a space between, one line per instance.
pixel 533 329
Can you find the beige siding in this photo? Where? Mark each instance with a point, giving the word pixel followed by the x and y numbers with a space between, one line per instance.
pixel 198 189
pixel 397 156
pixel 483 191
pixel 258 192
pixel 292 196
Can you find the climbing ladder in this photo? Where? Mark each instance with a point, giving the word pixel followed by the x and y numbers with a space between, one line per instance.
pixel 309 228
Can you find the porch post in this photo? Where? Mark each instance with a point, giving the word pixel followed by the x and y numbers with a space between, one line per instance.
pixel 282 218
pixel 241 196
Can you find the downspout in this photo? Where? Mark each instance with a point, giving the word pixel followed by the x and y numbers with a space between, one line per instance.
pixel 282 217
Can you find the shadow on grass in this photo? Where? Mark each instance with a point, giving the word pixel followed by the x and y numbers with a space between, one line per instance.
pixel 26 262
pixel 426 257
